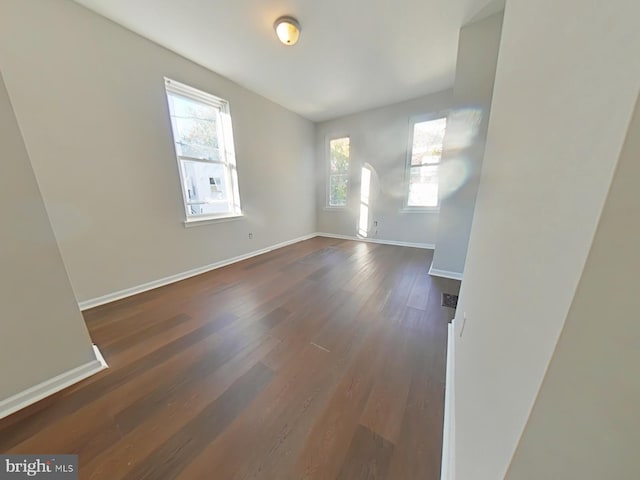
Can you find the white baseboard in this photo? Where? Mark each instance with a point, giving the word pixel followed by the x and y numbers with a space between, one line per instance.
pixel 435 272
pixel 428 246
pixel 127 292
pixel 447 471
pixel 36 393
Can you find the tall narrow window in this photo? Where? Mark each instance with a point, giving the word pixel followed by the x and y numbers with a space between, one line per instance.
pixel 423 163
pixel 365 191
pixel 338 172
pixel 203 140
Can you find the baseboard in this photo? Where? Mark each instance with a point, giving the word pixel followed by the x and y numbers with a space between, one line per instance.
pixel 427 246
pixel 435 272
pixel 49 387
pixel 447 471
pixel 127 292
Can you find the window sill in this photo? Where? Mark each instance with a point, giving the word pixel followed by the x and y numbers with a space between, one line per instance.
pixel 198 221
pixel 334 209
pixel 420 210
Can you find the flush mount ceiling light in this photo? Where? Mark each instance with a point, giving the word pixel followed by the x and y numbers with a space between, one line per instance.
pixel 287 29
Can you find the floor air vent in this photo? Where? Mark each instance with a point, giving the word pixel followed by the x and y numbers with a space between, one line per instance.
pixel 449 300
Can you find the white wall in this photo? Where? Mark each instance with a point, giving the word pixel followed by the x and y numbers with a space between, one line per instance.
pixel 89 96
pixel 465 140
pixel 585 423
pixel 380 138
pixel 43 333
pixel 565 86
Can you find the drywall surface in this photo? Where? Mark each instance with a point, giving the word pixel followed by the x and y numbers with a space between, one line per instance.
pixel 565 88
pixel 585 422
pixel 379 138
pixel 43 333
pixel 89 96
pixel 465 140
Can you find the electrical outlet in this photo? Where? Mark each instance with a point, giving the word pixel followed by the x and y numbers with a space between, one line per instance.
pixel 375 223
pixel 250 235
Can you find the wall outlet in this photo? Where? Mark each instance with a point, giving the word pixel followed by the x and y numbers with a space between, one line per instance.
pixel 250 235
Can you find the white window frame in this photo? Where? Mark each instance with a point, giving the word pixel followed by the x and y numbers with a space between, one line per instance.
pixel 327 204
pixel 227 153
pixel 406 208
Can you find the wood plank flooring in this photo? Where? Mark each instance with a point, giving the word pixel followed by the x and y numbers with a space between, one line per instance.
pixel 322 360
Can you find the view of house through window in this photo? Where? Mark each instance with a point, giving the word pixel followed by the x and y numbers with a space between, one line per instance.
pixel 338 172
pixel 424 162
pixel 203 138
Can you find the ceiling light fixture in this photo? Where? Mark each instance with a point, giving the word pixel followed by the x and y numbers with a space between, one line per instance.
pixel 287 29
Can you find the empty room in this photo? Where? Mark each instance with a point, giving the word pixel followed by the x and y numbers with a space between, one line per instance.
pixel 272 240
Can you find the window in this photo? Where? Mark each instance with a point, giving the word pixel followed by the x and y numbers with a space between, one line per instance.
pixel 423 163
pixel 338 172
pixel 203 140
pixel 365 190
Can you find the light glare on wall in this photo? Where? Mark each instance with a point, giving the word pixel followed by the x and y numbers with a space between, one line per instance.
pixel 287 29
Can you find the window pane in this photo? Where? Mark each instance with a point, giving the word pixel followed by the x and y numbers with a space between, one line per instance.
pixel 363 222
pixel 202 131
pixel 205 187
pixel 195 128
pixel 423 186
pixel 338 190
pixel 428 138
pixel 365 185
pixel 339 155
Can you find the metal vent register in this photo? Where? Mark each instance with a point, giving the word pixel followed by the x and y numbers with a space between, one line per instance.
pixel 449 300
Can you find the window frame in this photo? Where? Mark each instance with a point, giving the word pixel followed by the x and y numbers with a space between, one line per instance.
pixel 406 208
pixel 227 153
pixel 327 204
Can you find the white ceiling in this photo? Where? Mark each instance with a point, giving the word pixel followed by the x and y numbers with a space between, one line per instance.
pixel 352 55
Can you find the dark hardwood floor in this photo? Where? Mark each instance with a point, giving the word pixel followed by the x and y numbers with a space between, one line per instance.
pixel 321 360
